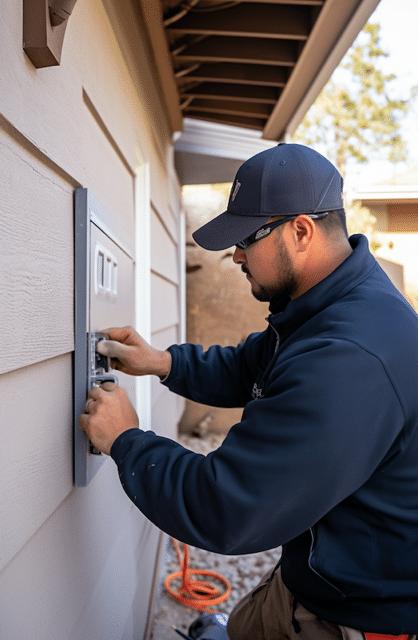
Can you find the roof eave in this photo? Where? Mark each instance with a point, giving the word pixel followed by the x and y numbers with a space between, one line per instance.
pixel 334 31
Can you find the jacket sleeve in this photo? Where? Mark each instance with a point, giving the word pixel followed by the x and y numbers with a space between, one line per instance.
pixel 327 420
pixel 220 376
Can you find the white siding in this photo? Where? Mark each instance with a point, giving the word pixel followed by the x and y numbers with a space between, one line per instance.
pixel 36 457
pixel 75 563
pixel 82 574
pixel 36 230
pixel 165 320
pixel 163 251
pixel 164 304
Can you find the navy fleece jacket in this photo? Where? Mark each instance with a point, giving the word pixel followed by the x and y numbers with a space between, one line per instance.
pixel 325 458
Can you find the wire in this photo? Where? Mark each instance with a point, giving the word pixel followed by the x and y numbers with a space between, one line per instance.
pixel 216 7
pixel 197 594
pixel 185 8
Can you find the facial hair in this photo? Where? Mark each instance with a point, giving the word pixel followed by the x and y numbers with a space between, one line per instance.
pixel 286 283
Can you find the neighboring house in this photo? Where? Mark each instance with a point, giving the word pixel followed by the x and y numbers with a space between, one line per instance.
pixel 81 563
pixel 394 204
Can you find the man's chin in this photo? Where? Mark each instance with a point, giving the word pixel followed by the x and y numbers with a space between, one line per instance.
pixel 267 295
pixel 261 295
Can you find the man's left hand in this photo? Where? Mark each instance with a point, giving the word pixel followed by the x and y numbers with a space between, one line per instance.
pixel 107 414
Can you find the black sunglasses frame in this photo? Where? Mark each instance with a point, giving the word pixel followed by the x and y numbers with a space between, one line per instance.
pixel 267 228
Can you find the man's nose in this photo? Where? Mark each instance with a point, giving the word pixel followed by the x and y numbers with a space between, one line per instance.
pixel 239 256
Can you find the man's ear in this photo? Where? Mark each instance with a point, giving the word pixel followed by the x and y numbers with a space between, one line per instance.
pixel 303 229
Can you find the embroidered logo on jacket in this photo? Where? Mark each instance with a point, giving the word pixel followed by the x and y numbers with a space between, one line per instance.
pixel 257 393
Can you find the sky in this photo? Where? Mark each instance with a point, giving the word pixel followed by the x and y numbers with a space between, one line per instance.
pixel 399 38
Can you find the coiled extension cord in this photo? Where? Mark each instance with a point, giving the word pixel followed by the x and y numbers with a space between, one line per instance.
pixel 197 594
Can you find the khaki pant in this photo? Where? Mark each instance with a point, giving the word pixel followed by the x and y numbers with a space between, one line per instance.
pixel 267 613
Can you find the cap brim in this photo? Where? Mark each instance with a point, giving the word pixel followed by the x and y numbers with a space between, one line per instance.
pixel 227 229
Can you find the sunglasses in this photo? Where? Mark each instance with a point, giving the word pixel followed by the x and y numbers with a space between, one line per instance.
pixel 267 228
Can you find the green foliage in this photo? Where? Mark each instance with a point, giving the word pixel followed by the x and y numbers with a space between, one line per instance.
pixel 356 118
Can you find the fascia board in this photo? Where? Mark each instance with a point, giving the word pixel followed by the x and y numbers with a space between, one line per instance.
pixel 388 193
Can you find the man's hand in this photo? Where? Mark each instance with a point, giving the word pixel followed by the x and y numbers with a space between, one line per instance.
pixel 107 414
pixel 130 353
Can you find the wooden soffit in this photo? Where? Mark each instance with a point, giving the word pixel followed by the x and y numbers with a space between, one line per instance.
pixel 257 64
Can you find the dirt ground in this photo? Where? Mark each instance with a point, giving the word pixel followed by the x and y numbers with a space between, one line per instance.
pixel 243 572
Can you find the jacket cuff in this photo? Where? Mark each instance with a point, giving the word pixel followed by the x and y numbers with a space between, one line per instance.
pixel 123 443
pixel 170 375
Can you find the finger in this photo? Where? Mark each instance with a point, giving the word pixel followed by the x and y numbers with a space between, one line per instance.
pixel 109 386
pixel 97 392
pixel 119 334
pixel 82 422
pixel 112 349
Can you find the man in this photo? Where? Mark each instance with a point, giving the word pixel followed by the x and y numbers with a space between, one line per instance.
pixel 324 460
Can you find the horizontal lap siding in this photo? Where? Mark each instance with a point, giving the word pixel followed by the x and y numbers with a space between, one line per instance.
pixel 166 413
pixel 164 259
pixel 108 175
pixel 36 451
pixel 164 304
pixel 165 313
pixel 72 561
pixel 43 595
pixel 160 341
pixel 167 408
pixel 36 230
pixel 160 193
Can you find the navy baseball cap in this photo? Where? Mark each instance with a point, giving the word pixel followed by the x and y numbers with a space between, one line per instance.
pixel 285 180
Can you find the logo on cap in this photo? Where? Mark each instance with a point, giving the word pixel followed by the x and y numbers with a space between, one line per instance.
pixel 235 191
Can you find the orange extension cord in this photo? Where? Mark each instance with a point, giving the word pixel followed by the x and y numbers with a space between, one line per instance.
pixel 197 594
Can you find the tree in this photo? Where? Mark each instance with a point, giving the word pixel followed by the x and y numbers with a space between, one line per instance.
pixel 360 220
pixel 356 118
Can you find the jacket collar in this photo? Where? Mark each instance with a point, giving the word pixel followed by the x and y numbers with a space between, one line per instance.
pixel 288 315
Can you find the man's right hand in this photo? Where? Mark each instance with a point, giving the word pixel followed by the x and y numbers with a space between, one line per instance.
pixel 131 354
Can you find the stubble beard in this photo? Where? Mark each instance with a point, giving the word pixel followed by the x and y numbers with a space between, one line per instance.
pixel 286 283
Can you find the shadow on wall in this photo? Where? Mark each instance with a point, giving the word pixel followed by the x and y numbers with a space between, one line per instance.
pixel 220 307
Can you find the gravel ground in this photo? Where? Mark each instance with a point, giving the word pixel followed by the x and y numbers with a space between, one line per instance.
pixel 243 572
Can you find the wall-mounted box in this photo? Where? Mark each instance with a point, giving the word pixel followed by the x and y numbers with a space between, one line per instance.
pixel 104 298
